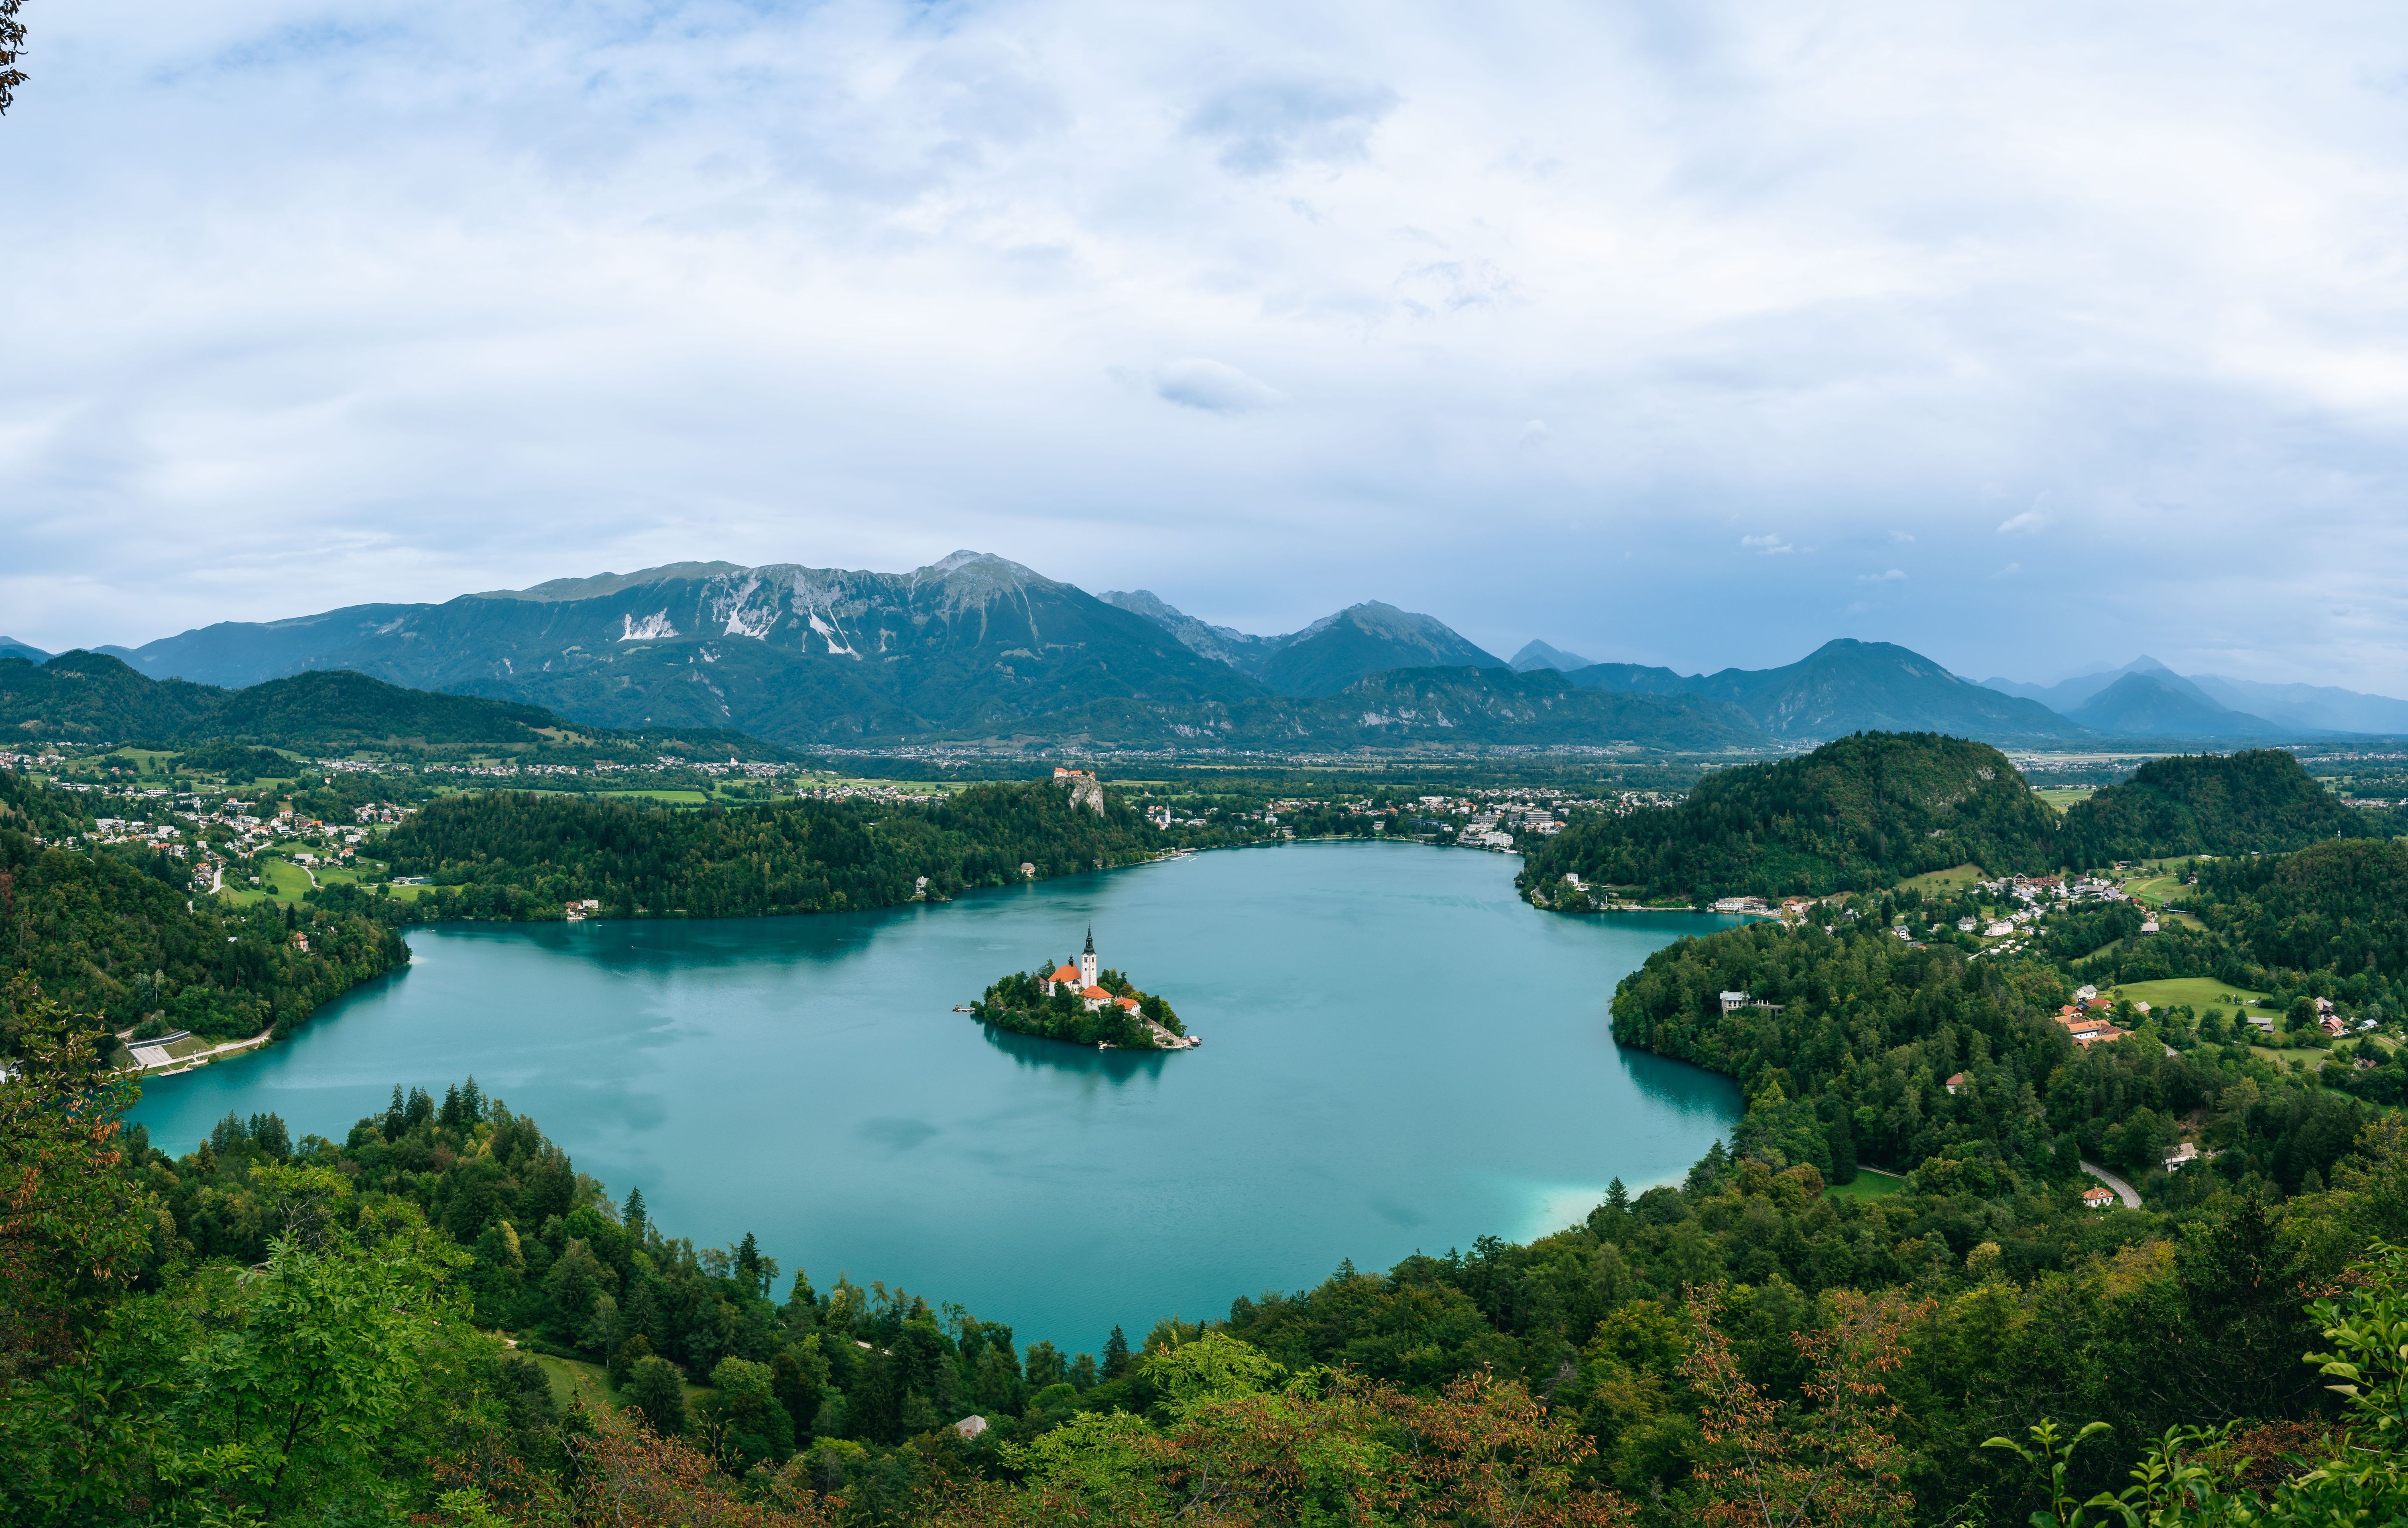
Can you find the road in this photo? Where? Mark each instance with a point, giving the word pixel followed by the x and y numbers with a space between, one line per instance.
pixel 2124 1189
pixel 196 1058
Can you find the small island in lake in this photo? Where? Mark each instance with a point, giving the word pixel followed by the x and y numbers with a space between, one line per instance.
pixel 1082 1006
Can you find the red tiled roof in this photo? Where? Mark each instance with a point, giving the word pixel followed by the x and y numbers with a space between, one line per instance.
pixel 1066 973
pixel 1094 992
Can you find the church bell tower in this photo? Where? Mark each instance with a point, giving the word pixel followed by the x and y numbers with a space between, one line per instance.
pixel 1087 961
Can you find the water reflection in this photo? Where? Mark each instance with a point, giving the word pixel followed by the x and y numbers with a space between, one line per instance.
pixel 1113 1066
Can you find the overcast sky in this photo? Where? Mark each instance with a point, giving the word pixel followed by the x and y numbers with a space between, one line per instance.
pixel 2030 336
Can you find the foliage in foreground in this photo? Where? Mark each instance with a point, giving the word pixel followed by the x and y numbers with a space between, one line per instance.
pixel 272 1331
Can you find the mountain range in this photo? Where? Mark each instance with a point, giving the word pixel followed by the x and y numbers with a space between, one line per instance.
pixel 1326 656
pixel 2146 699
pixel 1846 686
pixel 978 648
pixel 1539 655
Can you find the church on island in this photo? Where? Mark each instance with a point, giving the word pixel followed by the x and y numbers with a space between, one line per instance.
pixel 1041 1003
pixel 1079 980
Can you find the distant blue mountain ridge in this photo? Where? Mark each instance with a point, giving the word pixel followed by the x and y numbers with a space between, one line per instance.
pixel 2145 698
pixel 978 647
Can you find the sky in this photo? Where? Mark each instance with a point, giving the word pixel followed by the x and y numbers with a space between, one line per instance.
pixel 2033 337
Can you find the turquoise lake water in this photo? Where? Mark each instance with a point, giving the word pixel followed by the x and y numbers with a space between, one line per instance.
pixel 1398 1055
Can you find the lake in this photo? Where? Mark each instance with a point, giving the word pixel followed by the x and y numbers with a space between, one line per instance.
pixel 1398 1055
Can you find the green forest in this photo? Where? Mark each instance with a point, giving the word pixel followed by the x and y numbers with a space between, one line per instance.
pixel 1864 812
pixel 2259 801
pixel 1874 809
pixel 1883 1300
pixel 524 856
pixel 120 935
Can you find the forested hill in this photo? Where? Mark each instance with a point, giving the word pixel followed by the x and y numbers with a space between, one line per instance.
pixel 1670 1360
pixel 1863 812
pixel 118 934
pixel 82 697
pixel 2256 802
pixel 505 855
pixel 2340 907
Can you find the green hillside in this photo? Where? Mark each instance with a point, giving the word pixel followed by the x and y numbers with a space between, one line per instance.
pixel 87 697
pixel 2258 801
pixel 120 934
pixel 91 697
pixel 517 855
pixel 1864 812
pixel 2340 907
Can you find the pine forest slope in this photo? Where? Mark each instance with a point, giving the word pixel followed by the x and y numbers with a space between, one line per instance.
pixel 120 934
pixel 91 696
pixel 525 857
pixel 2257 801
pixel 1864 812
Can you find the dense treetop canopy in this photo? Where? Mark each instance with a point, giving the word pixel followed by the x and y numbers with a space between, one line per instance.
pixel 2259 801
pixel 1863 812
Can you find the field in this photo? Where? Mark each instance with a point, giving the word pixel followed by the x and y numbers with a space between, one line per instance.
pixel 1868 1185
pixel 675 798
pixel 2061 797
pixel 1942 879
pixel 574 1380
pixel 2310 1060
pixel 2199 992
pixel 279 878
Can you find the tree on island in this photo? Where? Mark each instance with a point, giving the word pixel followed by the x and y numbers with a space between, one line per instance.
pixel 1020 1003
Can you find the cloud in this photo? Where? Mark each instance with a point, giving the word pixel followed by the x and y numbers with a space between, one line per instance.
pixel 1905 537
pixel 1766 545
pixel 2010 570
pixel 1212 386
pixel 1893 576
pixel 2024 523
pixel 1267 126
pixel 471 293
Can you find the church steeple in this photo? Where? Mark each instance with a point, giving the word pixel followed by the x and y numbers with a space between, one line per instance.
pixel 1087 960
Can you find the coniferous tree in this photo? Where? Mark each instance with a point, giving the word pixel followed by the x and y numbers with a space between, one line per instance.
pixel 1116 1354
pixel 655 1389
